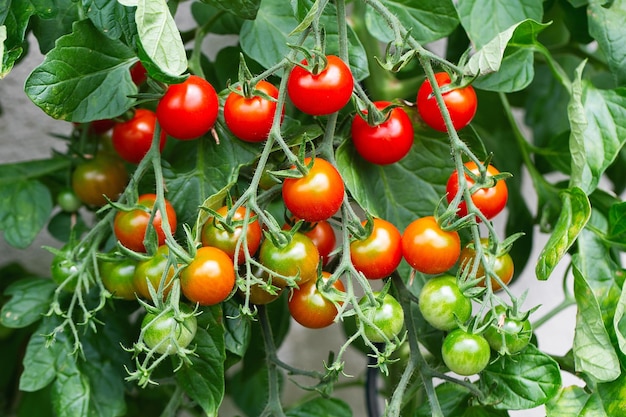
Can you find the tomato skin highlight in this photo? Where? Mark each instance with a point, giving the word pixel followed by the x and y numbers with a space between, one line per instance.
pixel 103 175
pixel 378 255
pixel 388 317
pixel 188 110
pixel 160 329
pixel 323 93
pixel 386 143
pixel 490 201
pixel 117 277
pixel 130 226
pixel 442 303
pixel 132 139
pixel 460 102
pixel 308 306
pixel 428 248
pixel 250 119
pixel 299 257
pixel 316 196
pixel 209 278
pixel 465 353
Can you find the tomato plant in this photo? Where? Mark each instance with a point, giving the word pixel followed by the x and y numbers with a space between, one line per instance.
pixel 132 138
pixel 308 305
pixel 320 90
pixel 209 278
pixel 428 248
pixel 384 143
pixel 536 89
pixel 189 109
pixel 98 179
pixel 443 304
pixel 250 117
pixel 219 234
pixel 317 195
pixel 169 331
pixel 380 253
pixel 131 226
pixel 460 102
pixel 490 200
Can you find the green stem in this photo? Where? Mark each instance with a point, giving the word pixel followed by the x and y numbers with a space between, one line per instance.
pixel 273 407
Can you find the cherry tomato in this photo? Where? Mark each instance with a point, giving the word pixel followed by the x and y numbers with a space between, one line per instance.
pixel 428 248
pixel 167 332
pixel 386 143
pixel 65 268
pixel 215 233
pixel 322 234
pixel 132 139
pixel 321 93
pixel 118 277
pixel 138 73
pixel 209 278
pixel 465 353
pixel 130 226
pixel 260 295
pixel 502 264
pixel 508 335
pixel 442 303
pixel 188 110
pixel 153 270
pixel 250 118
pixel 298 258
pixel 460 102
pixel 308 305
pixel 387 317
pixel 379 254
pixel 68 201
pixel 317 195
pixel 97 127
pixel 104 175
pixel 490 201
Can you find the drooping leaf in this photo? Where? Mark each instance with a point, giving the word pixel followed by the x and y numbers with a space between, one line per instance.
pixel 427 21
pixel 30 299
pixel 85 77
pixel 24 210
pixel 606 25
pixel 574 401
pixel 526 380
pixel 575 213
pixel 593 351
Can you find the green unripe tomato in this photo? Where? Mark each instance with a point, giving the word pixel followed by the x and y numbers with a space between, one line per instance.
pixel 388 317
pixel 166 334
pixel 508 335
pixel 443 304
pixel 465 353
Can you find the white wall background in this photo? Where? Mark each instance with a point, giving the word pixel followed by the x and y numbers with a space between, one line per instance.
pixel 25 134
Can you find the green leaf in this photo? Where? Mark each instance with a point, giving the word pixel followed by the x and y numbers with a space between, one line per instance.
pixel 160 44
pixel 70 390
pixel 19 171
pixel 112 18
pixel 606 25
pixel 617 223
pixel 245 9
pixel 598 133
pixel 454 400
pixel 48 30
pixel 237 333
pixel 203 379
pixel 85 77
pixel 506 62
pixel 249 389
pixel 525 380
pixel 593 352
pixel 619 321
pixel 223 24
pixel 14 19
pixel 575 213
pixel 574 401
pixel 427 20
pixel 275 22
pixel 24 209
pixel 613 396
pixel 321 407
pixel 30 300
pixel 502 15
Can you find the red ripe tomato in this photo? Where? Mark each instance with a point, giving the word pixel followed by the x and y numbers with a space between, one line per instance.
pixel 188 110
pixel 97 179
pixel 317 195
pixel 309 307
pixel 138 73
pixel 386 143
pixel 460 102
pixel 322 93
pixel 132 139
pixel 209 278
pixel 250 118
pixel 379 254
pixel 321 234
pixel 130 226
pixel 214 233
pixel 490 201
pixel 428 248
